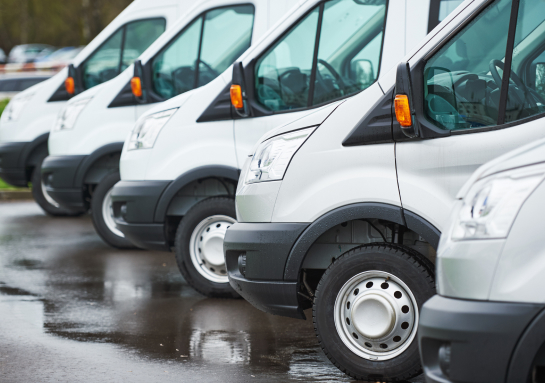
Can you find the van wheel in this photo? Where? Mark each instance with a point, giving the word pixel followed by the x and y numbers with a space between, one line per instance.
pixel 103 216
pixel 48 204
pixel 366 311
pixel 199 246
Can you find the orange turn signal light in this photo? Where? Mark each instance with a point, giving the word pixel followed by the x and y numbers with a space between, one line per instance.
pixel 236 96
pixel 403 111
pixel 70 85
pixel 136 86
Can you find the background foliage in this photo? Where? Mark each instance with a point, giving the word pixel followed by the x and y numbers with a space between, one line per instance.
pixel 55 22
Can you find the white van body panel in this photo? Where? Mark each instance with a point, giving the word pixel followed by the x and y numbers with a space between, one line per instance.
pixel 109 125
pixel 39 114
pixel 324 174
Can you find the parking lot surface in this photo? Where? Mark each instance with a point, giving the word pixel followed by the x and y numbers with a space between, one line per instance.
pixel 73 309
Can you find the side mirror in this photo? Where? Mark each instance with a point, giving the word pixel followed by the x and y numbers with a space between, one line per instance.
pixel 70 82
pixel 137 82
pixel 363 72
pixel 404 102
pixel 238 91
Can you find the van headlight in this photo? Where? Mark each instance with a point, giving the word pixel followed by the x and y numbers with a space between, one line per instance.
pixel 69 114
pixel 272 157
pixel 492 203
pixel 15 107
pixel 147 129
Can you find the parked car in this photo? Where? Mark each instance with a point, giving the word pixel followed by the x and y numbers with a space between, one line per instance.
pixel 12 84
pixel 25 130
pixel 180 166
pixel 86 142
pixel 57 59
pixel 342 211
pixel 3 57
pixel 28 53
pixel 486 323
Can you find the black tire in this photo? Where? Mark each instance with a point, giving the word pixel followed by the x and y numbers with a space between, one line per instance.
pixel 404 263
pixel 110 237
pixel 51 209
pixel 197 214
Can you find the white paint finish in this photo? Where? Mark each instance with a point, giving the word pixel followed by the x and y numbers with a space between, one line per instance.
pixel 324 175
pixel 432 171
pixel 184 144
pixel 519 275
pixel 39 115
pixel 393 47
pixel 465 269
pixel 416 12
pixel 255 202
pixel 250 132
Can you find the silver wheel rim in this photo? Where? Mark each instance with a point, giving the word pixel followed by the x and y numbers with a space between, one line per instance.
pixel 108 214
pixel 47 197
pixel 376 315
pixel 206 247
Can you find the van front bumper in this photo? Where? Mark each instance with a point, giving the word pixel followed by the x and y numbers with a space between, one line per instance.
pixel 134 204
pixel 263 249
pixel 59 175
pixel 11 170
pixel 470 341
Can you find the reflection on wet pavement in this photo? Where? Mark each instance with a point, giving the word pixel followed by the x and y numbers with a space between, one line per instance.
pixel 73 309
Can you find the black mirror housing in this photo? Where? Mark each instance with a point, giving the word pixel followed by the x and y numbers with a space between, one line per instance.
pixel 403 87
pixel 239 80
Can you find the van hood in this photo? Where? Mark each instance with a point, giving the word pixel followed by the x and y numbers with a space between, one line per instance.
pixel 313 118
pixel 88 93
pixel 530 154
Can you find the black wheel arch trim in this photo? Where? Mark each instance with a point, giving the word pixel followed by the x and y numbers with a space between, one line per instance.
pixel 364 210
pixel 89 160
pixel 175 186
pixel 526 349
pixel 29 149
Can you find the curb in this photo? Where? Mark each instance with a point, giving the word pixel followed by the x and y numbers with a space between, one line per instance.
pixel 15 195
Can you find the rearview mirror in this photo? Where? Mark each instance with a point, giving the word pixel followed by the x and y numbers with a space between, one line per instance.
pixel 137 82
pixel 238 91
pixel 70 82
pixel 404 103
pixel 363 72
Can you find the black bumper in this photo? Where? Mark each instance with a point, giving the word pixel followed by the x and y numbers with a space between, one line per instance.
pixel 479 336
pixel 134 204
pixel 12 169
pixel 265 247
pixel 59 177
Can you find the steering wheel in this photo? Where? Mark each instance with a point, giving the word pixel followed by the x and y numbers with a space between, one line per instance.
pixel 494 64
pixel 335 74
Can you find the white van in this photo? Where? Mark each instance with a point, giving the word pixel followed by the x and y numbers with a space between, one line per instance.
pixel 487 323
pixel 27 120
pixel 86 141
pixel 179 176
pixel 342 211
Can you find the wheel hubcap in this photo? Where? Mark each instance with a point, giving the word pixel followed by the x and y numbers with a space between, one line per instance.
pixel 108 214
pixel 376 315
pixel 206 247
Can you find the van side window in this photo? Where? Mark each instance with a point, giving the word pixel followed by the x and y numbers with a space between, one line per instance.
pixel 302 70
pixel 463 81
pixel 439 10
pixel 120 50
pixel 203 50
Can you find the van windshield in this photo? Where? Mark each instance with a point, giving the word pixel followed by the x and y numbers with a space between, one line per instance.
pixel 332 52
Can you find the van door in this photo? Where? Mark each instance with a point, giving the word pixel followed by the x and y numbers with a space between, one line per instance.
pixel 467 99
pixel 332 52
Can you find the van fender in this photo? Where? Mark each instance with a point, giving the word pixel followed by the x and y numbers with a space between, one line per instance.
pixel 365 210
pixel 91 159
pixel 209 171
pixel 33 151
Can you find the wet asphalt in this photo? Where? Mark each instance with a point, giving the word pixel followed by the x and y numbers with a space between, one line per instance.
pixel 72 309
